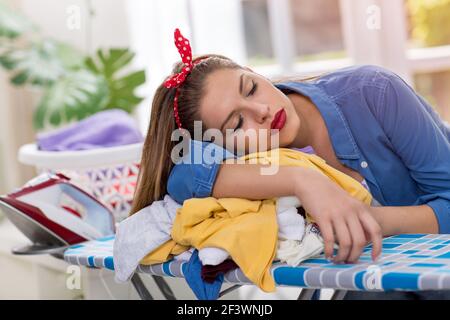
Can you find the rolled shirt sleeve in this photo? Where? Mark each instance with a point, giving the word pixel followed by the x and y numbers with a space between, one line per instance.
pixel 421 139
pixel 194 175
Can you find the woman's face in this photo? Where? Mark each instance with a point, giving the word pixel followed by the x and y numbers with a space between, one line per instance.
pixel 246 107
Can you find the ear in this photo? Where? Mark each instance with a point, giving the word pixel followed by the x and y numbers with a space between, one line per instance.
pixel 248 69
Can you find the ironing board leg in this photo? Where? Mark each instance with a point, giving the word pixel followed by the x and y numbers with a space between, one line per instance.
pixel 338 295
pixel 306 294
pixel 142 291
pixel 164 287
pixel 226 291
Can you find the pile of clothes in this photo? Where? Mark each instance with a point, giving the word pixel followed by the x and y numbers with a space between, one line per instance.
pixel 218 235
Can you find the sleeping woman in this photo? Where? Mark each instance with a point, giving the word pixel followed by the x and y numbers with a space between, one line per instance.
pixel 364 121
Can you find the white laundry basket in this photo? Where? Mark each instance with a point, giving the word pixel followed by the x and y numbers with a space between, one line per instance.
pixel 109 174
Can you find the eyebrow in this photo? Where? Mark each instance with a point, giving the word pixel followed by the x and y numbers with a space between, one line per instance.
pixel 241 85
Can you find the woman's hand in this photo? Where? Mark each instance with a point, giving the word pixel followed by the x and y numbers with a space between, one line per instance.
pixel 340 217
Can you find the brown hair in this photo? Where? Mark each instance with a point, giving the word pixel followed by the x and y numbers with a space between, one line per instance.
pixel 156 160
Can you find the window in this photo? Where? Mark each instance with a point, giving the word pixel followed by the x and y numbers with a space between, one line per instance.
pixel 435 87
pixel 257 31
pixel 293 37
pixel 429 40
pixel 427 22
pixel 317 30
pixel 306 37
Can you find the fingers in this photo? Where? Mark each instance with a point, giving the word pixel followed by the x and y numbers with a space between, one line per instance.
pixel 326 229
pixel 358 239
pixel 344 239
pixel 374 231
pixel 352 232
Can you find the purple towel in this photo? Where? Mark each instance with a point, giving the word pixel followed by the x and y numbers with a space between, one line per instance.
pixel 307 149
pixel 104 129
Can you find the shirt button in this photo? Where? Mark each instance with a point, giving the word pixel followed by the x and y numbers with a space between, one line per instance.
pixel 364 164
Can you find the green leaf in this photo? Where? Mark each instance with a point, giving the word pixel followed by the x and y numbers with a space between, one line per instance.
pixel 120 58
pixel 19 78
pixel 90 64
pixel 70 57
pixel 41 63
pixel 6 62
pixel 111 64
pixel 76 95
pixel 132 80
pixel 12 24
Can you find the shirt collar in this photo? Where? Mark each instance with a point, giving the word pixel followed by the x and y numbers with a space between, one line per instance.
pixel 343 142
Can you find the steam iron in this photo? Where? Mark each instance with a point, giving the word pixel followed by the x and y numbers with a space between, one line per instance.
pixel 54 214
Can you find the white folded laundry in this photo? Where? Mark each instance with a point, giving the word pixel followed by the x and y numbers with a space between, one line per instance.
pixel 212 256
pixel 294 252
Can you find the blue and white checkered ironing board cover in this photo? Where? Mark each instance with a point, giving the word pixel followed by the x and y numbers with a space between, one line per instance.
pixel 409 262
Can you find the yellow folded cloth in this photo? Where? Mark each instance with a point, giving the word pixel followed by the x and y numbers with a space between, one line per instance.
pixel 246 229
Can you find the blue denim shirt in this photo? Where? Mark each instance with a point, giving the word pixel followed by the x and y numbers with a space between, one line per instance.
pixel 379 127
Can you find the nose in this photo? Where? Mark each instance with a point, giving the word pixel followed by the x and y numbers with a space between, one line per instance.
pixel 261 111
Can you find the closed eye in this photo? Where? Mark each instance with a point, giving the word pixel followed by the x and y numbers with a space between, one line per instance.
pixel 254 87
pixel 241 121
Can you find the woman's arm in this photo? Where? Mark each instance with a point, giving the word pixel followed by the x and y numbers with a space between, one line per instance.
pixel 422 141
pixel 246 181
pixel 407 219
pixel 339 216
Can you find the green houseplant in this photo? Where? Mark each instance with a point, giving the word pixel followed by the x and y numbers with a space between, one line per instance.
pixel 74 85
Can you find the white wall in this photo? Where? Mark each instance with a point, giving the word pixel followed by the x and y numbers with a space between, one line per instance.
pixel 109 26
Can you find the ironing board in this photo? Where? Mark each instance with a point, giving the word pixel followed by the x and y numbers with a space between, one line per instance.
pixel 409 262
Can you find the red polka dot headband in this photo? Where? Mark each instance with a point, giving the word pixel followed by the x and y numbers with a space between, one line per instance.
pixel 176 80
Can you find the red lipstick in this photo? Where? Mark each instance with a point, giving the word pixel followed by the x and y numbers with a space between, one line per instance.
pixel 279 120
